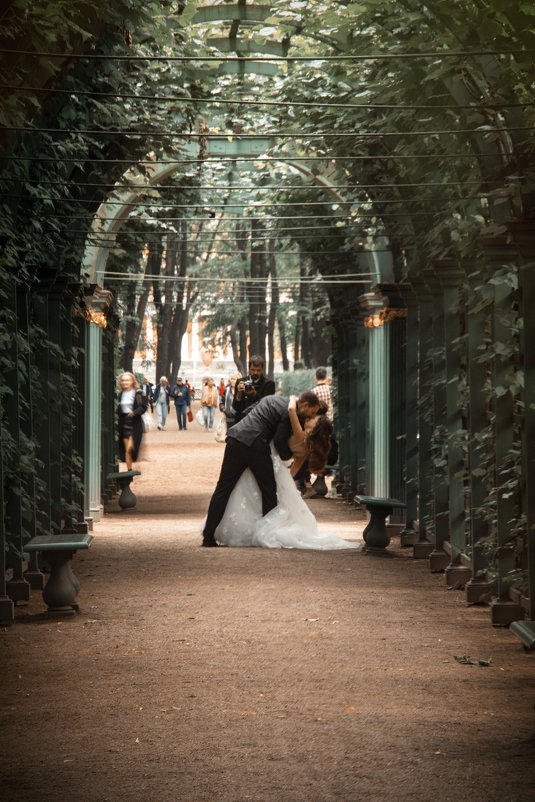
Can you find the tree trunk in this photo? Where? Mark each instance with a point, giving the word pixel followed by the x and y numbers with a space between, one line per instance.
pixel 134 325
pixel 257 293
pixel 272 308
pixel 233 338
pixel 184 297
pixel 281 323
pixel 238 328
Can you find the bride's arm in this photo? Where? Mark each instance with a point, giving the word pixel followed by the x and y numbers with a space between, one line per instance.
pixel 297 443
pixel 297 429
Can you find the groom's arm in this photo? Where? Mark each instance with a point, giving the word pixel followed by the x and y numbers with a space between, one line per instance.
pixel 281 437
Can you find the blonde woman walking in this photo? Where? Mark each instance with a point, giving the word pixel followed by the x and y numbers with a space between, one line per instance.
pixel 209 403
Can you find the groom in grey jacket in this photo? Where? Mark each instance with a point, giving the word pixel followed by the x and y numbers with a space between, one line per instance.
pixel 248 447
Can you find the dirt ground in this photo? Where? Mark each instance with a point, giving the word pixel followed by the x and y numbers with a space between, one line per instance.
pixel 248 674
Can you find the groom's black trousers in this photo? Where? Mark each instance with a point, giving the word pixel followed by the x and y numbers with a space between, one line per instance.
pixel 236 459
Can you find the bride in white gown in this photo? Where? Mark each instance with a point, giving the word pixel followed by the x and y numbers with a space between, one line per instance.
pixel 290 525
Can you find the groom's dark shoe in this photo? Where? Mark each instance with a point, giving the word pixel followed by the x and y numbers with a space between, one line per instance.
pixel 209 540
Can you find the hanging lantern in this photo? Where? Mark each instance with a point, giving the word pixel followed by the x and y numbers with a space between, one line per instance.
pixel 206 356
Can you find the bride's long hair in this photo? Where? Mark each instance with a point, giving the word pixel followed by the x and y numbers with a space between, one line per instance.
pixel 319 444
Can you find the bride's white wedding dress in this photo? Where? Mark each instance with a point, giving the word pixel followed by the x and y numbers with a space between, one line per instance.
pixel 290 525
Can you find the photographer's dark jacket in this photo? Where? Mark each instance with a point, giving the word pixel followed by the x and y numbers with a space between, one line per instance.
pixel 269 420
pixel 264 387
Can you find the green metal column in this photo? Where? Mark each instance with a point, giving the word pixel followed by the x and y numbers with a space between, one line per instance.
pixel 97 303
pixel 379 392
pixel 92 407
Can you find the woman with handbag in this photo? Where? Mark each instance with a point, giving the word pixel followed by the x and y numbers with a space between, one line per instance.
pixel 209 402
pixel 161 397
pixel 225 400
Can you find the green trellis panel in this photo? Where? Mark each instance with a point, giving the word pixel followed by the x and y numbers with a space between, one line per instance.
pixel 425 427
pixel 18 588
pixel 478 324
pixel 525 240
pixel 344 423
pixel 41 359
pixel 7 608
pixel 78 439
pixel 411 414
pixel 438 559
pixel 33 575
pixel 67 411
pixel 55 406
pixel 450 277
pixel 506 508
pixel 110 458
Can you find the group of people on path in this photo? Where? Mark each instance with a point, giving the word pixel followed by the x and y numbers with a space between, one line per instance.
pixel 256 500
pixel 181 394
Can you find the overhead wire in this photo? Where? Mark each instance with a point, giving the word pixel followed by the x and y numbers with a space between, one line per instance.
pixel 286 187
pixel 317 282
pixel 257 102
pixel 268 159
pixel 246 219
pixel 251 205
pixel 267 58
pixel 265 233
pixel 232 135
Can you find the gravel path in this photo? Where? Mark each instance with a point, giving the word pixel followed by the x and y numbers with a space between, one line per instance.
pixel 227 675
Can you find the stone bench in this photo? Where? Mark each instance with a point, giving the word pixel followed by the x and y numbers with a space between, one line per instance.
pixel 127 499
pixel 62 587
pixel 376 537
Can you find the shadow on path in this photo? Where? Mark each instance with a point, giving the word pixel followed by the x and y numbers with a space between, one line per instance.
pixel 249 674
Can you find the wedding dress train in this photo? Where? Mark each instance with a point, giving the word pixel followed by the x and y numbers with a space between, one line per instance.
pixel 290 525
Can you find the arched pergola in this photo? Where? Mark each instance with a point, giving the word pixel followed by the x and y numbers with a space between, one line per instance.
pixel 433 366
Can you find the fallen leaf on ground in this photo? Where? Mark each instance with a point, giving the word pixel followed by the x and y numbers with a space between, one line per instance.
pixel 467 661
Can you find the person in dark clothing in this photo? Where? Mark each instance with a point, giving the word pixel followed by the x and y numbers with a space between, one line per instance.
pixel 248 446
pixel 252 388
pixel 148 391
pixel 180 396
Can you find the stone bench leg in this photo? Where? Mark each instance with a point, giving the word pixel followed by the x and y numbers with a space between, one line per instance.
pixel 62 587
pixel 375 535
